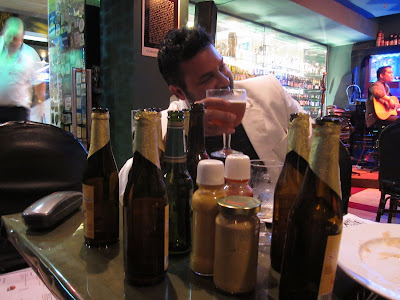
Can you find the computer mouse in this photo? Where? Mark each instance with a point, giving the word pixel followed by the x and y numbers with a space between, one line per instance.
pixel 48 211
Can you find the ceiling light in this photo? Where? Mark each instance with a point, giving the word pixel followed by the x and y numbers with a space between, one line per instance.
pixel 35 36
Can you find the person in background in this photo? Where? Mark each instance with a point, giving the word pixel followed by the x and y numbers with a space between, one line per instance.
pixel 379 91
pixel 190 64
pixel 18 65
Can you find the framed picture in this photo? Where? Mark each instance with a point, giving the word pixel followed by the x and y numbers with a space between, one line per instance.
pixel 158 17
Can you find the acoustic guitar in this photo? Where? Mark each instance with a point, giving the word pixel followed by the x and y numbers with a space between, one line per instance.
pixel 382 112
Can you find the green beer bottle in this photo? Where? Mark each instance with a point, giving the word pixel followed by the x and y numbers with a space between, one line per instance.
pixel 179 185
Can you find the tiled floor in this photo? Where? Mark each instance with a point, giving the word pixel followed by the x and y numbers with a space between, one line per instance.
pixel 364 204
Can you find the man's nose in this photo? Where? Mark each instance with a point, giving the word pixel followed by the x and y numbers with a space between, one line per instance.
pixel 223 81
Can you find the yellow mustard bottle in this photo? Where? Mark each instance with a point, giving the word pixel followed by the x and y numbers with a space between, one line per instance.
pixel 210 179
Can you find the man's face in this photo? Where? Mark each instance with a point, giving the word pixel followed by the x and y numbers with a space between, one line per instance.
pixel 13 38
pixel 204 71
pixel 387 76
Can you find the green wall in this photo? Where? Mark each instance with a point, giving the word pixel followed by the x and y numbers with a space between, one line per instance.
pixel 130 80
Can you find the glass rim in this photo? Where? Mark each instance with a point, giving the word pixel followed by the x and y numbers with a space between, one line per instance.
pixel 227 92
pixel 227 89
pixel 261 163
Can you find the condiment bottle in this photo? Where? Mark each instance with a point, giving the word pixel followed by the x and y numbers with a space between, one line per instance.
pixel 196 147
pixel 179 185
pixel 210 179
pixel 289 182
pixel 236 244
pixel 100 185
pixel 315 222
pixel 146 209
pixel 237 175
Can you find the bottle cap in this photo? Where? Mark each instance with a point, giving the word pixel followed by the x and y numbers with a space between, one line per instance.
pixel 239 205
pixel 237 167
pixel 210 172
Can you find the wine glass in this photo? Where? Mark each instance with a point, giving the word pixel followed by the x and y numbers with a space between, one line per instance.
pixel 237 98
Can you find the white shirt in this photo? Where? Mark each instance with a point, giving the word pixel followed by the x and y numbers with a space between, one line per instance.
pixel 267 116
pixel 18 75
pixel 266 120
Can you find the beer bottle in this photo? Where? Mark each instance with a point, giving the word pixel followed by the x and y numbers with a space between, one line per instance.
pixel 100 185
pixel 196 147
pixel 179 185
pixel 145 207
pixel 289 182
pixel 315 222
pixel 161 148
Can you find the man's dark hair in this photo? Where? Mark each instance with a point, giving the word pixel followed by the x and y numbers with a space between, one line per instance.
pixel 380 71
pixel 180 45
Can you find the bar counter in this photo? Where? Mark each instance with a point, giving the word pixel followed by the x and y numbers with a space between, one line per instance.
pixel 73 271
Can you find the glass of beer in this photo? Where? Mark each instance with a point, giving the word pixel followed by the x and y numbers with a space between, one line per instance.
pixel 237 98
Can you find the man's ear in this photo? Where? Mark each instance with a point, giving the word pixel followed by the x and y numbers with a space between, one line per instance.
pixel 178 92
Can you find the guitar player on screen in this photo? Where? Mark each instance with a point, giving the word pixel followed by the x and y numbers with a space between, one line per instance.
pixel 381 107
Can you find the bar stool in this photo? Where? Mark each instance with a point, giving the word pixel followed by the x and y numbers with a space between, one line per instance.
pixel 389 176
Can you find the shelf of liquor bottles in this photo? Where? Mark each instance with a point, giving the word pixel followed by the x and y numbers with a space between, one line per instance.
pixel 305 89
pixel 251 49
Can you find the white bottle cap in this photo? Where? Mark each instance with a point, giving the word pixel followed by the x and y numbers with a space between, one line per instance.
pixel 210 172
pixel 237 167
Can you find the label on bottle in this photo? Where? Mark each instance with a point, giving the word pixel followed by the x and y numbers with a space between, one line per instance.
pixel 329 267
pixel 88 210
pixel 166 236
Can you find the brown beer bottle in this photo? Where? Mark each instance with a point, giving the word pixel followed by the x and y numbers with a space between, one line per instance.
pixel 315 222
pixel 289 182
pixel 161 147
pixel 196 146
pixel 100 185
pixel 146 210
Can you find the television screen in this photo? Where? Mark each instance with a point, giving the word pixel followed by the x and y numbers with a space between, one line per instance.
pixel 377 61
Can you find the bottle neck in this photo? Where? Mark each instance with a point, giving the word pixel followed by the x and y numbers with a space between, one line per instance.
pixel 324 154
pixel 211 187
pixel 175 150
pixel 146 137
pixel 236 181
pixel 159 133
pixel 298 136
pixel 100 133
pixel 196 142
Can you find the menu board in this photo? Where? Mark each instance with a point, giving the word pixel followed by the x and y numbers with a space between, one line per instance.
pixel 158 17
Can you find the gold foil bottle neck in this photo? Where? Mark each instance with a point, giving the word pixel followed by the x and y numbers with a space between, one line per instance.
pixel 159 132
pixel 146 136
pixel 298 135
pixel 325 147
pixel 100 133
